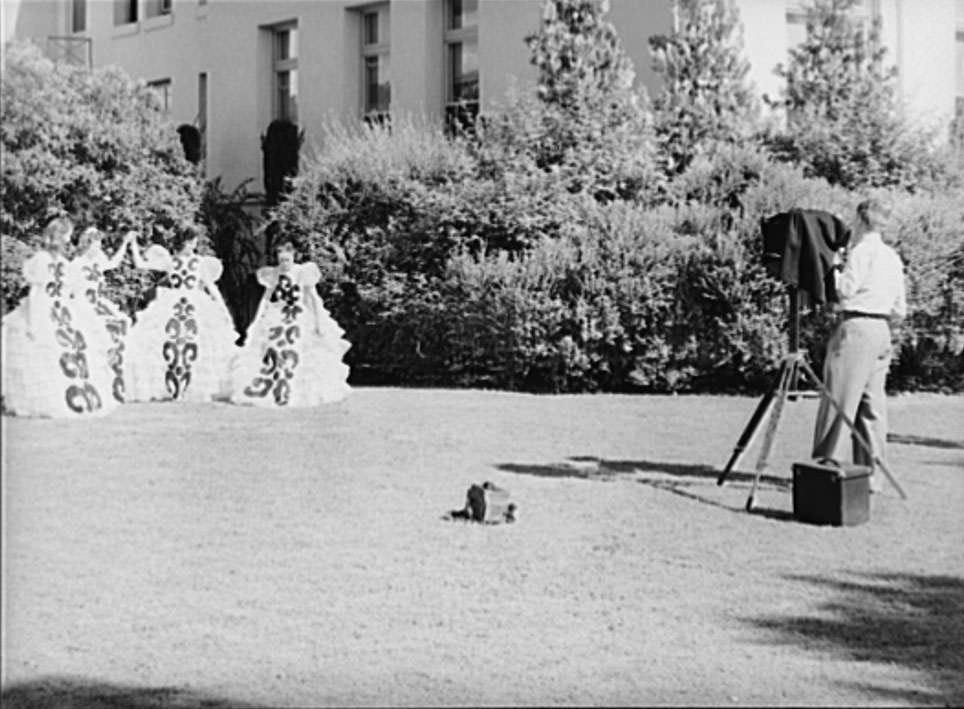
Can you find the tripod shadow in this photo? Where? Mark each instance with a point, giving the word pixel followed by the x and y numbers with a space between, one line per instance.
pixel 79 693
pixel 911 440
pixel 682 479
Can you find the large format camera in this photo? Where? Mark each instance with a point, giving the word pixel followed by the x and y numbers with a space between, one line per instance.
pixel 799 248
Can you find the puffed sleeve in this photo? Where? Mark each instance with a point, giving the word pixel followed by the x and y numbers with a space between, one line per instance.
pixel 267 276
pixel 211 268
pixel 35 269
pixel 157 258
pixel 310 274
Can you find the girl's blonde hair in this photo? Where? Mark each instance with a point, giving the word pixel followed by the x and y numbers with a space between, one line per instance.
pixel 56 229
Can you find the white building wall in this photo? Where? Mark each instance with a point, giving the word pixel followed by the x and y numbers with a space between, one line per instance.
pixel 228 40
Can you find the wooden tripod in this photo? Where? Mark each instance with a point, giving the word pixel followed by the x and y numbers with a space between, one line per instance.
pixel 792 366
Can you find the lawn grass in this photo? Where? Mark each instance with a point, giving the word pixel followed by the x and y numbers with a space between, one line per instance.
pixel 207 555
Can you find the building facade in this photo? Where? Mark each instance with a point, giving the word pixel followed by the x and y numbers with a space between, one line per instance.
pixel 229 67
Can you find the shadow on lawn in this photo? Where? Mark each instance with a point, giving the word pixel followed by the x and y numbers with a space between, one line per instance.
pixel 78 693
pixel 911 440
pixel 677 478
pixel 908 620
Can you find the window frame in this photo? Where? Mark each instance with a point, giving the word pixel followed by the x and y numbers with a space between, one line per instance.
pixel 377 50
pixel 76 5
pixel 158 8
pixel 167 84
pixel 284 65
pixel 459 114
pixel 133 8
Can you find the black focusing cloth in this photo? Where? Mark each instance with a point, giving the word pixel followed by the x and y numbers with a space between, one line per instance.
pixel 798 248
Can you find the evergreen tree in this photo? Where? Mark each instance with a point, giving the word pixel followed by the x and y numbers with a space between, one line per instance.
pixel 843 118
pixel 587 123
pixel 706 96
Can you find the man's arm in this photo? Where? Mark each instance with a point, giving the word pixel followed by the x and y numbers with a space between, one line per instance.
pixel 899 311
pixel 853 276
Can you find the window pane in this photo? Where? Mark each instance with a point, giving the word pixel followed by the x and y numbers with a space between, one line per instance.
pixel 463 13
pixel 79 16
pixel 371 83
pixel 162 89
pixel 287 85
pixel 960 63
pixel 378 88
pixel 464 64
pixel 370 27
pixel 292 43
pixel 125 11
pixel 282 44
pixel 384 83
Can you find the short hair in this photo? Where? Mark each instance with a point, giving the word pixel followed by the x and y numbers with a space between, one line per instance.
pixel 873 214
pixel 57 228
pixel 285 242
pixel 184 234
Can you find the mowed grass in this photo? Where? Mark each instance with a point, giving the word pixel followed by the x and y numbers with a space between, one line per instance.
pixel 211 555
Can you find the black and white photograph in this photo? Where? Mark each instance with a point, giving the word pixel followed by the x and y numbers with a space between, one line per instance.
pixel 481 353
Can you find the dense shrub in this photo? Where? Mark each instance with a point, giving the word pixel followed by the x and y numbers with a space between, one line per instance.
pixel 90 145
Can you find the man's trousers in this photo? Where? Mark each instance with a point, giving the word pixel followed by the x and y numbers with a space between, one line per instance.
pixel 854 371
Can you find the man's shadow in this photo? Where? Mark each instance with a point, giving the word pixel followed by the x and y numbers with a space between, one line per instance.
pixel 683 479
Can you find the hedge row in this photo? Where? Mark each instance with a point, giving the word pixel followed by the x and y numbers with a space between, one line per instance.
pixel 444 274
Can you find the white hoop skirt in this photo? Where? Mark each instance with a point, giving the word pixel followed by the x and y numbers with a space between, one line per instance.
pixel 293 352
pixel 179 348
pixel 59 366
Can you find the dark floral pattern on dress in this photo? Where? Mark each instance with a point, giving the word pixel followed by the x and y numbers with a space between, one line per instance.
pixel 180 350
pixel 96 294
pixel 281 355
pixel 80 396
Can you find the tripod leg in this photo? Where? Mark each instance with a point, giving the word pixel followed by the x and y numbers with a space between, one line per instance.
pixel 853 429
pixel 746 438
pixel 787 375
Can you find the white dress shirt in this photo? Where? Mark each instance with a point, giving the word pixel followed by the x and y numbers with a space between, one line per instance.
pixel 872 280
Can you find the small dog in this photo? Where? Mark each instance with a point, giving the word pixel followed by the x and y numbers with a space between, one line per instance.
pixel 486 504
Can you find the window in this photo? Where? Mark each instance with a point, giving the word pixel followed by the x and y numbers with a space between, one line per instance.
pixel 462 64
pixel 863 10
pixel 285 73
pixel 202 112
pixel 960 58
pixel 125 12
pixel 78 15
pixel 162 89
pixel 156 8
pixel 376 64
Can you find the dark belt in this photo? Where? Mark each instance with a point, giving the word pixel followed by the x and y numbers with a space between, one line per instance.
pixel 851 314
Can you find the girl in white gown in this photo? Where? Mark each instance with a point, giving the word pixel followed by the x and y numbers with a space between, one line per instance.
pixel 293 352
pixel 181 344
pixel 90 268
pixel 55 347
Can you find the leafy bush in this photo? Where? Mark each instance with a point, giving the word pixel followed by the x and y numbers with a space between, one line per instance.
pixel 233 239
pixel 90 145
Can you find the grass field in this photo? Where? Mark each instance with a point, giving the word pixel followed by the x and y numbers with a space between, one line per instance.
pixel 209 555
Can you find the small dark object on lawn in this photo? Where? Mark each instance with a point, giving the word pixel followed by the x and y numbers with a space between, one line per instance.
pixel 487 504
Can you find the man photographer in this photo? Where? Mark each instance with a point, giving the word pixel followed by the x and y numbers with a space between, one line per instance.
pixel 870 288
